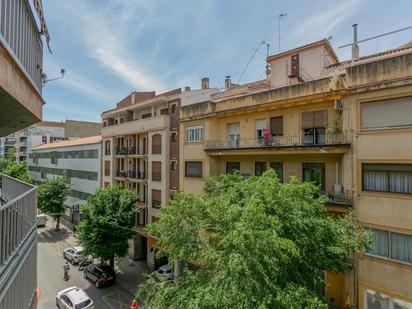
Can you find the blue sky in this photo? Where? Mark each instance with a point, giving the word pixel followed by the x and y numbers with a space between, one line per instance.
pixel 112 47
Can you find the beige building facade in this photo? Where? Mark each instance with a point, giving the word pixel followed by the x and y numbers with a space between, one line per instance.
pixel 140 152
pixel 321 123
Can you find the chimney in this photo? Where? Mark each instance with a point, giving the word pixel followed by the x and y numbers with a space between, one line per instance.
pixel 205 83
pixel 133 97
pixel 187 88
pixel 228 82
pixel 355 46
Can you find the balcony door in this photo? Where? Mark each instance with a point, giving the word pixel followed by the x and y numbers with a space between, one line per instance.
pixel 314 172
pixel 233 130
pixel 314 125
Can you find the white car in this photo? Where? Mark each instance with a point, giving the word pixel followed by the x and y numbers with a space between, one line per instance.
pixel 164 273
pixel 73 254
pixel 74 298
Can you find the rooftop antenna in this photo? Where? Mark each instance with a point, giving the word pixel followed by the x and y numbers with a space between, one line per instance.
pixel 267 71
pixel 281 14
pixel 46 79
pixel 355 46
pixel 255 51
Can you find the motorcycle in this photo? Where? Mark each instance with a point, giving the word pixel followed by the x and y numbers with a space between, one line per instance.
pixel 66 275
pixel 85 262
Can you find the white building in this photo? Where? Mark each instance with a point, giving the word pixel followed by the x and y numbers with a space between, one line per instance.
pixel 25 140
pixel 79 159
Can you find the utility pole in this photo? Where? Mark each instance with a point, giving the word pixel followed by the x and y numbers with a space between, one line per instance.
pixel 281 14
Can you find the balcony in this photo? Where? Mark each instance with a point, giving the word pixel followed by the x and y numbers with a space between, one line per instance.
pixel 131 175
pixel 137 126
pixel 331 143
pixel 339 198
pixel 129 151
pixel 18 248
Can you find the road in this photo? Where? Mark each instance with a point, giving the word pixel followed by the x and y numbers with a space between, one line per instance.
pixel 50 275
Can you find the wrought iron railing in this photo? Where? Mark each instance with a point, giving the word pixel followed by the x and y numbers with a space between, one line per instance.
pixel 309 140
pixel 130 174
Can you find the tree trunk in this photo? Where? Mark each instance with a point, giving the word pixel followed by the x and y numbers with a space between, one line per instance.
pixel 58 223
pixel 111 262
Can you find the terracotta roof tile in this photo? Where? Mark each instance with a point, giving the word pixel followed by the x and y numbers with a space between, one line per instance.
pixel 71 142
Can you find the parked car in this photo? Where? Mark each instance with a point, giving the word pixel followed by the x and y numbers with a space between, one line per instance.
pixel 74 298
pixel 41 220
pixel 100 275
pixel 73 254
pixel 164 273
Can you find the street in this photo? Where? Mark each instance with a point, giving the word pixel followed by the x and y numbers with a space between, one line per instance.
pixel 50 274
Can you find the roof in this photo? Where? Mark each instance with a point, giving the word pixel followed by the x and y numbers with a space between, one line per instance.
pixel 71 142
pixel 324 42
pixel 77 295
pixel 49 124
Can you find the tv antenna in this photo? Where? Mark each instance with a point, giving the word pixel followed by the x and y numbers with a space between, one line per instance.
pixel 281 14
pixel 255 51
pixel 267 71
pixel 46 79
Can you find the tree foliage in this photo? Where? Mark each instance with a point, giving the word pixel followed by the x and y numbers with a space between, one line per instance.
pixel 19 170
pixel 107 222
pixel 257 243
pixel 51 194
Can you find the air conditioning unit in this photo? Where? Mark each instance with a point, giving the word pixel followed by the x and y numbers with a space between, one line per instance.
pixel 338 106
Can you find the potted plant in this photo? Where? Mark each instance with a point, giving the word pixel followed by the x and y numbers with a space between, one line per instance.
pixel 267 137
pixel 336 131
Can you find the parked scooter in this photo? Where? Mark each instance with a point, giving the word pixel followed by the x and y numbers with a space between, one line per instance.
pixel 85 262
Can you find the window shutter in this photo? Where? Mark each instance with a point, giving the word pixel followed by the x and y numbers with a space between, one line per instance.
pixel 156 171
pixel 276 125
pixel 320 119
pixel 307 120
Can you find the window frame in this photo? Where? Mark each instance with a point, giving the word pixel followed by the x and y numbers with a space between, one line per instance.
pixel 191 137
pixel 201 169
pixel 232 169
pixel 265 167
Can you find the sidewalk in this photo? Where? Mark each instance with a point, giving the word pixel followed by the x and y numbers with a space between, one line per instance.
pixel 129 273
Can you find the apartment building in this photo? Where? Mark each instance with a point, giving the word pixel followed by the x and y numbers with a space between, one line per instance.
pixel 45 132
pixel 79 159
pixel 141 153
pixel 21 103
pixel 305 120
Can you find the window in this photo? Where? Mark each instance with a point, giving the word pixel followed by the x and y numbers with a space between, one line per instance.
pixel 173 137
pixel 233 130
pixel 278 168
pixel 392 245
pixel 260 168
pixel 107 148
pixel 156 198
pixel 193 169
pixel 394 178
pixel 314 172
pixel 386 114
pixel 232 166
pixel 106 168
pixel 313 126
pixel 148 115
pixel 173 106
pixel 156 144
pixel 156 171
pixel 260 126
pixel 164 111
pixel 276 126
pixel 122 119
pixel 173 165
pixel 53 158
pixel 194 134
pixel 378 300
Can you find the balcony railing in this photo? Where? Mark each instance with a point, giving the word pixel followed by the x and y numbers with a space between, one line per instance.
pixel 20 34
pixel 130 174
pixel 340 198
pixel 310 140
pixel 18 249
pixel 123 151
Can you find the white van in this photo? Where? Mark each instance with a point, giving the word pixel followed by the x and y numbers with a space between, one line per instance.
pixel 41 220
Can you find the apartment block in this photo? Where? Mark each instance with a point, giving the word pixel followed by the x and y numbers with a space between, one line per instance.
pixel 342 125
pixel 79 159
pixel 141 153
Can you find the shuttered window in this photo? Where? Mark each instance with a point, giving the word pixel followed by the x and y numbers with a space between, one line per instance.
pixel 156 144
pixel 276 126
pixel 156 171
pixel 156 198
pixel 393 113
pixel 106 168
pixel 314 119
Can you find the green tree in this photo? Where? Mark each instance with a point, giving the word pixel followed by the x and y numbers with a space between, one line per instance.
pixel 257 243
pixel 107 222
pixel 19 170
pixel 51 195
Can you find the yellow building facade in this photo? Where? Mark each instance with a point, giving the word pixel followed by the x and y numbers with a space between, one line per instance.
pixel 311 122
